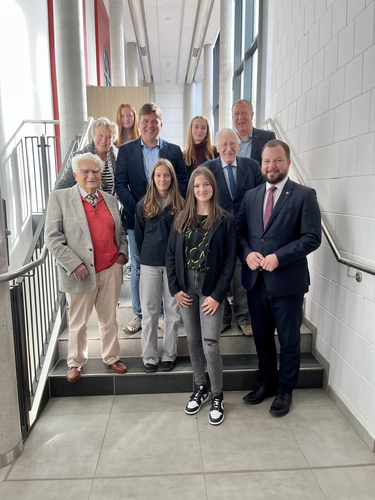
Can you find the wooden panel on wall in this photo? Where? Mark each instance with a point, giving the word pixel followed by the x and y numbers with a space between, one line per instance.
pixel 104 101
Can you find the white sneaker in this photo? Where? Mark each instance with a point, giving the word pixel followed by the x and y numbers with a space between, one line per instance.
pixel 161 323
pixel 197 399
pixel 217 410
pixel 133 326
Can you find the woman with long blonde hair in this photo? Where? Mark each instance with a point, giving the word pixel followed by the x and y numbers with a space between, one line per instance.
pixel 127 122
pixel 153 222
pixel 201 258
pixel 199 147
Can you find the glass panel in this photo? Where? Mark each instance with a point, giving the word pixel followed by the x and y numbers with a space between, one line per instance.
pixel 256 18
pixel 254 82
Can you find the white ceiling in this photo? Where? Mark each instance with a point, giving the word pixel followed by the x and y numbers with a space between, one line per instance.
pixel 170 25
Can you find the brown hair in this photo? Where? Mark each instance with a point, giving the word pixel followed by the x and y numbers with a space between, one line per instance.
pixel 189 217
pixel 152 205
pixel 135 129
pixel 189 152
pixel 149 108
pixel 273 143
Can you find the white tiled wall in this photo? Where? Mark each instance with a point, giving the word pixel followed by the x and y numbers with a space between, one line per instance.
pixel 323 100
pixel 170 99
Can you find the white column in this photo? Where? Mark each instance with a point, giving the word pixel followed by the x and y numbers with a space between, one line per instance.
pixel 11 444
pixel 70 68
pixel 189 107
pixel 208 84
pixel 131 67
pixel 226 62
pixel 116 29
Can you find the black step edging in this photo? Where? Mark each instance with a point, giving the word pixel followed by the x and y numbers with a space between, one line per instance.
pixel 240 373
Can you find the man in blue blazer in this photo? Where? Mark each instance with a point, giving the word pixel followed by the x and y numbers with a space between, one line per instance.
pixel 246 175
pixel 134 163
pixel 274 244
pixel 252 139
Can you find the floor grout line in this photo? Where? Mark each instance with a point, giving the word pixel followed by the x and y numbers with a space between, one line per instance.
pixel 208 473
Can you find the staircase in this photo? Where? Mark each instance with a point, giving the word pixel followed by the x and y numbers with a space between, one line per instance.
pixel 238 353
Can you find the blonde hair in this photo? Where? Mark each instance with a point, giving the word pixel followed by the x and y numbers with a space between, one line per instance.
pixel 189 217
pixel 135 129
pixel 152 205
pixel 189 153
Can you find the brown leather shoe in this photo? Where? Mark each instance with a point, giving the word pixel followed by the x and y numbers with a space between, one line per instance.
pixel 118 367
pixel 73 373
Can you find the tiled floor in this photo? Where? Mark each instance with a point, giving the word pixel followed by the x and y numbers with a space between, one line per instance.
pixel 145 447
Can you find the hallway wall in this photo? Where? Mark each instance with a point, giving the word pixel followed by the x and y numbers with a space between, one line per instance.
pixel 323 100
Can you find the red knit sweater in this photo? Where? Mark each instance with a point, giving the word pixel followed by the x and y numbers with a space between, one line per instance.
pixel 102 231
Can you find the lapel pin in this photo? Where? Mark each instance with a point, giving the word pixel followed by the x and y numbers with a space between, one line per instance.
pixel 287 192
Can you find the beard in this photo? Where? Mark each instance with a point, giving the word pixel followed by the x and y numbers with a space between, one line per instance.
pixel 276 178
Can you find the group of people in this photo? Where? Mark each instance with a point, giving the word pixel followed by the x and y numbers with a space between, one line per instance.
pixel 199 223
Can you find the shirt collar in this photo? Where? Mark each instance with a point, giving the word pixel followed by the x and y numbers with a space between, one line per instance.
pixel 84 193
pixel 279 185
pixel 156 145
pixel 250 138
pixel 223 164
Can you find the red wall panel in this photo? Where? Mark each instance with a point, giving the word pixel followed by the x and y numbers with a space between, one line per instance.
pixel 102 38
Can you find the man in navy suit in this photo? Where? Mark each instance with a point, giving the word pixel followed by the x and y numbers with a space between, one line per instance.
pixel 274 244
pixel 134 163
pixel 252 139
pixel 246 174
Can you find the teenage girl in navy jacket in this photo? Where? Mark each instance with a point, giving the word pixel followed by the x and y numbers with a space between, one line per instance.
pixel 153 221
pixel 201 259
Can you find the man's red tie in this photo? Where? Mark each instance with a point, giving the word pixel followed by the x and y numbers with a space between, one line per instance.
pixel 269 206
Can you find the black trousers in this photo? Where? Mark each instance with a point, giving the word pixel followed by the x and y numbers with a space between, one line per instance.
pixel 284 313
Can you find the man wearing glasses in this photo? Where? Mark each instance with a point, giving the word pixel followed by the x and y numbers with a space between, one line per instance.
pixel 84 233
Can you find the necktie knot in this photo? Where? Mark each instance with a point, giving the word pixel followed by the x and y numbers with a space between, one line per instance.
pixel 91 198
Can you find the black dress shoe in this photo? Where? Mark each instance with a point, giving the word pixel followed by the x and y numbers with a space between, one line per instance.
pixel 281 404
pixel 263 392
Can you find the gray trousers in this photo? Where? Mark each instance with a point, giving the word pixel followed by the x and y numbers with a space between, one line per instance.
pixel 240 308
pixel 150 283
pixel 203 334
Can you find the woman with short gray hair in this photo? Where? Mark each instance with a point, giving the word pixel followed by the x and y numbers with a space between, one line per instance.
pixel 104 133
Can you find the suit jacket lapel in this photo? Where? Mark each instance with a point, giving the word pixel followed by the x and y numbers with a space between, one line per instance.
pixel 254 143
pixel 77 204
pixel 258 206
pixel 242 175
pixel 220 178
pixel 285 195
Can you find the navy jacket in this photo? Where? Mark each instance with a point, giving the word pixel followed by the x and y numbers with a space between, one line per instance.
pixel 220 260
pixel 151 236
pixel 130 180
pixel 249 176
pixel 260 138
pixel 292 232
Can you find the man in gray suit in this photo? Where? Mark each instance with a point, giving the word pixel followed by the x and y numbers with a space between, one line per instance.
pixel 84 233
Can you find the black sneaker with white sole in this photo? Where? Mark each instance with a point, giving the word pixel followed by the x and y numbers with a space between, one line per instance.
pixel 217 410
pixel 197 399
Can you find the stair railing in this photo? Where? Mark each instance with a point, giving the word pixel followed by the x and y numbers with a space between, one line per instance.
pixel 271 125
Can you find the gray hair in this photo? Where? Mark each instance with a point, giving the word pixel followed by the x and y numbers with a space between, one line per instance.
pixel 107 124
pixel 226 131
pixel 244 101
pixel 86 157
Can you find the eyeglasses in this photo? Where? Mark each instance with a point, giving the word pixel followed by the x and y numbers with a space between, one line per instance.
pixel 86 171
pixel 106 137
pixel 226 144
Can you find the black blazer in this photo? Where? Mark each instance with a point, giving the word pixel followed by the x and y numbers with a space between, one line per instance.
pixel 260 138
pixel 220 260
pixel 249 176
pixel 130 180
pixel 292 232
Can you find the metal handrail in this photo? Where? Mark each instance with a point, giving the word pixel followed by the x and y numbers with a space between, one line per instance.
pixel 326 231
pixel 85 132
pixel 10 276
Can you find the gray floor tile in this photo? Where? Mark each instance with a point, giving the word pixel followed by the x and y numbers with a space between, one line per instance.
pixel 45 490
pixel 166 488
pixel 4 471
pixel 150 402
pixel 326 438
pixel 311 397
pixel 150 443
pixel 248 441
pixel 357 483
pixel 283 485
pixel 87 405
pixel 63 446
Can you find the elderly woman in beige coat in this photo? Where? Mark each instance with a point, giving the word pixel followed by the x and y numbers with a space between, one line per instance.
pixel 84 233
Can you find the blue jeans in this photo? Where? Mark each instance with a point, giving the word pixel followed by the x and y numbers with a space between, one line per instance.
pixel 135 275
pixel 203 334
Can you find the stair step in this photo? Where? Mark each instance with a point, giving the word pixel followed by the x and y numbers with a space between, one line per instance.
pixel 240 373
